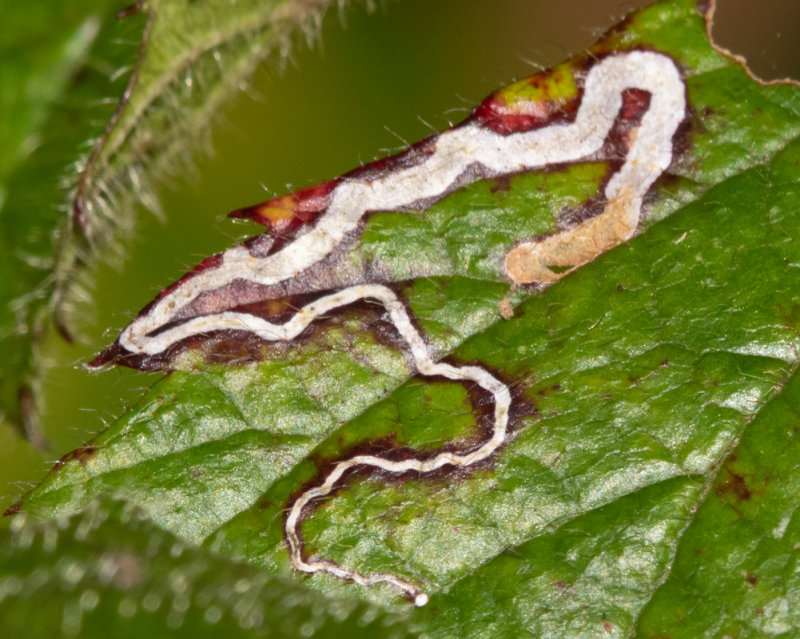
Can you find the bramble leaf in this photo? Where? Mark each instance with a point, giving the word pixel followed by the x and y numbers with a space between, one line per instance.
pixel 651 460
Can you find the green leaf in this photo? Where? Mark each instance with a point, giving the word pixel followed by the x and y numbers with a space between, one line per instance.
pixel 110 568
pixel 191 59
pixel 636 377
pixel 735 572
pixel 49 43
pixel 49 98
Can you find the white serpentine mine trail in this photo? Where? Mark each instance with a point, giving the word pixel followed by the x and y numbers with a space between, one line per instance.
pixel 425 366
pixel 649 155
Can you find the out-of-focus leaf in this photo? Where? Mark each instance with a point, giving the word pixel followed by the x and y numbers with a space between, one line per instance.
pixel 109 572
pixel 194 56
pixel 49 97
pixel 48 44
pixel 191 58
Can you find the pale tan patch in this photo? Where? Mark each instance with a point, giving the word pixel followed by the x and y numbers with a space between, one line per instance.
pixel 505 308
pixel 532 262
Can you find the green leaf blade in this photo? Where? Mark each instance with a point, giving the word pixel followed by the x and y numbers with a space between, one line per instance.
pixel 634 378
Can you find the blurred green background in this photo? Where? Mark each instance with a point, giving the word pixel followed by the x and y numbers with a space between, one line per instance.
pixel 374 81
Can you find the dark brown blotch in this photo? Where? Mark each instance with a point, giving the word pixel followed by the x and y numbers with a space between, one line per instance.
pixel 735 486
pixel 81 454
